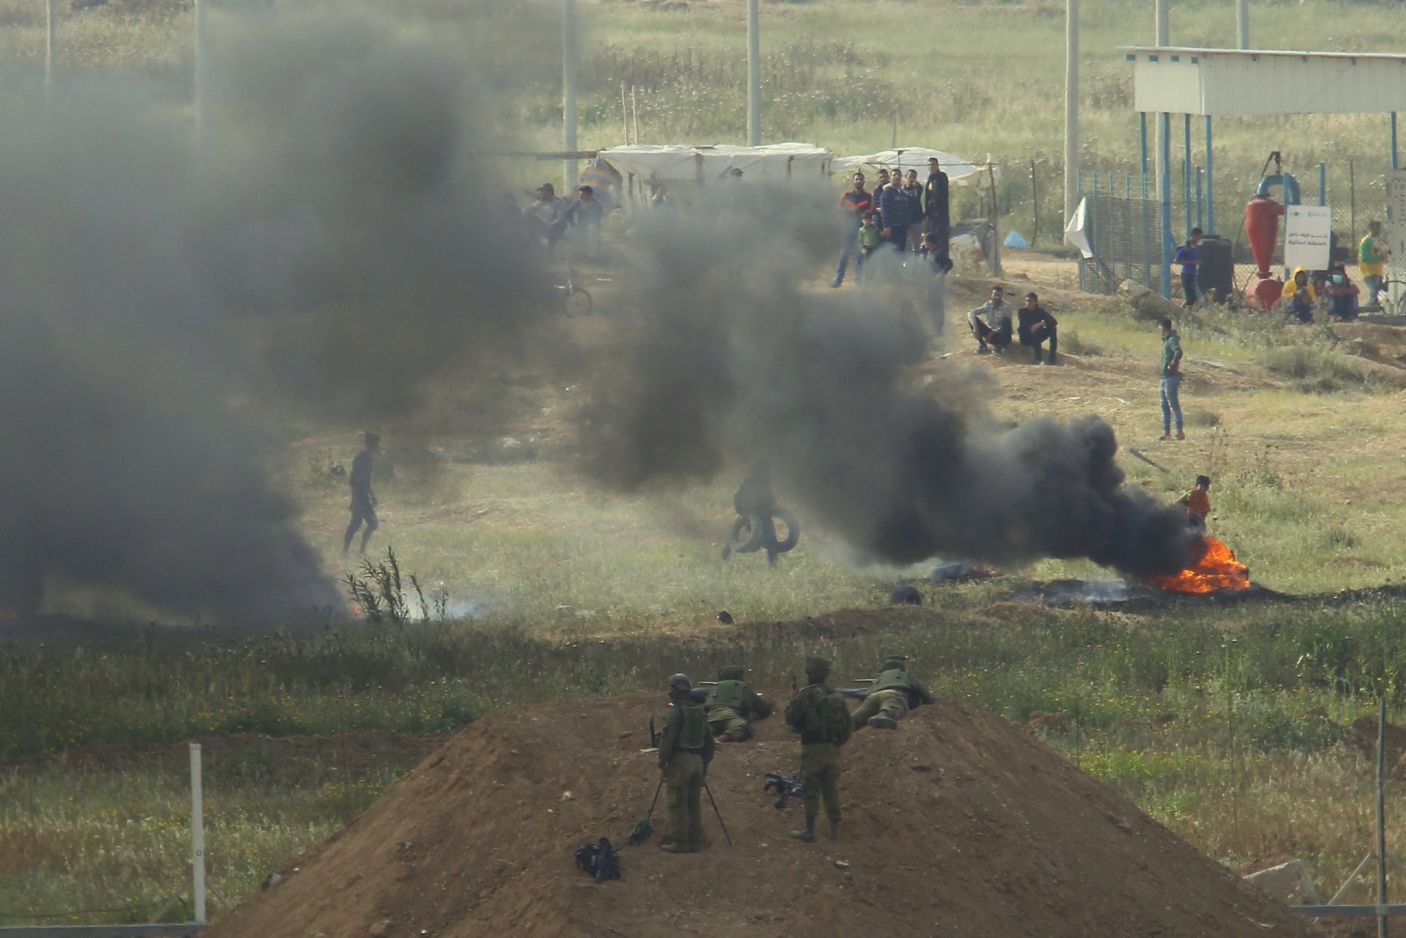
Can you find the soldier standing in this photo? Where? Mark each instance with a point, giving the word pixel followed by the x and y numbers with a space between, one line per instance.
pixel 733 705
pixel 822 718
pixel 892 695
pixel 363 500
pixel 685 749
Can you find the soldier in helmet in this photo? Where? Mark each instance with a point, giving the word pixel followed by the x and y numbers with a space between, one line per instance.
pixel 822 718
pixel 685 749
pixel 733 705
pixel 893 693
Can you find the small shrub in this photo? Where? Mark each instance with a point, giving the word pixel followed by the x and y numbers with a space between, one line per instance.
pixel 1314 370
pixel 1071 343
pixel 1203 418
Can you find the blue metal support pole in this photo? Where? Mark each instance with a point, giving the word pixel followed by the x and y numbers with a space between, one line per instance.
pixel 1395 161
pixel 1322 183
pixel 1164 123
pixel 1186 171
pixel 1210 182
pixel 1200 205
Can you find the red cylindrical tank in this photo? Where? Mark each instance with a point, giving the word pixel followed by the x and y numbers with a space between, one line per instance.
pixel 1262 225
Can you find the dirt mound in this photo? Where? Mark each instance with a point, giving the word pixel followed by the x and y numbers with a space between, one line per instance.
pixel 958 823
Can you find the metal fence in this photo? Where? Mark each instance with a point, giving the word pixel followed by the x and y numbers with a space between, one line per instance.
pixel 1125 227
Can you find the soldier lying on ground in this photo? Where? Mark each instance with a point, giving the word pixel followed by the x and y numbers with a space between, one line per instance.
pixel 892 695
pixel 733 705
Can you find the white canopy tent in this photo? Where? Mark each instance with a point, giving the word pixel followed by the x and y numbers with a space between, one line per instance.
pixel 683 168
pixel 960 172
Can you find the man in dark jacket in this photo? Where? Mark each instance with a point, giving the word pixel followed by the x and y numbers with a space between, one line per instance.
pixel 936 219
pixel 893 693
pixel 895 214
pixel 1035 326
pixel 685 749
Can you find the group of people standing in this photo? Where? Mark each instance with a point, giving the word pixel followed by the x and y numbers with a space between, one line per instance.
pixel 901 212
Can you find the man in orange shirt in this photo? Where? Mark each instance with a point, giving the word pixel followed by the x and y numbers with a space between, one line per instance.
pixel 1198 502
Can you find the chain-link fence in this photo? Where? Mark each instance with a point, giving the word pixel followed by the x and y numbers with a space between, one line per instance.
pixel 1125 228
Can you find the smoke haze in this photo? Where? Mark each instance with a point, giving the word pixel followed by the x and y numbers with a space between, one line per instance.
pixel 331 253
pixel 739 361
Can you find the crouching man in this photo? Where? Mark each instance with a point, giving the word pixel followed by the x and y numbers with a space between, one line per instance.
pixel 733 705
pixel 991 323
pixel 892 695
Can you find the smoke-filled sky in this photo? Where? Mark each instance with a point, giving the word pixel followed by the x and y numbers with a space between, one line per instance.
pixel 335 248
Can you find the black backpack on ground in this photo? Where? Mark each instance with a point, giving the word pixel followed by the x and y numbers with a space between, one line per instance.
pixel 599 859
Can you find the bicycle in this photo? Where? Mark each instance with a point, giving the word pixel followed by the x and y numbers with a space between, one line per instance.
pixel 575 299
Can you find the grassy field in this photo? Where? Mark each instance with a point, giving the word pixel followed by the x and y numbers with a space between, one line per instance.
pixel 1229 724
pixel 1226 723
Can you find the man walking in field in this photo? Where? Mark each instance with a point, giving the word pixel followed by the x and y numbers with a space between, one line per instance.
pixel 363 500
pixel 1170 388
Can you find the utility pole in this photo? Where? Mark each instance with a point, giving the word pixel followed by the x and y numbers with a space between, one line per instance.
pixel 201 84
pixel 1162 128
pixel 50 49
pixel 754 76
pixel 568 92
pixel 1242 23
pixel 1071 107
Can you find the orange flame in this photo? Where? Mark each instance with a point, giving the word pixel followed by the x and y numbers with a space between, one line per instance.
pixel 1217 569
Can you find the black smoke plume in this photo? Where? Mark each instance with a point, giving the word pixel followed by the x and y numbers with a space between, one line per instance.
pixel 329 248
pixel 740 359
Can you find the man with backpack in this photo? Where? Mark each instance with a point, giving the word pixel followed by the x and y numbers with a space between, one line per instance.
pixel 685 749
pixel 822 718
pixel 893 693
pixel 733 705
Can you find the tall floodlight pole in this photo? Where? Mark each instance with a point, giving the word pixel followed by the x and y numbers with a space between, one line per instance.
pixel 1163 39
pixel 201 83
pixel 50 47
pixel 1071 106
pixel 754 76
pixel 568 92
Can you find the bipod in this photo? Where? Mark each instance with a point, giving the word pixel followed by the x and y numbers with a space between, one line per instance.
pixel 644 828
pixel 713 801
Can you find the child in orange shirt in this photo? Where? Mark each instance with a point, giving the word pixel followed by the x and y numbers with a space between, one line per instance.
pixel 1198 502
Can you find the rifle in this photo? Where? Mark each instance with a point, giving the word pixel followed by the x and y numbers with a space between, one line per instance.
pixel 854 693
pixel 653 734
pixel 785 786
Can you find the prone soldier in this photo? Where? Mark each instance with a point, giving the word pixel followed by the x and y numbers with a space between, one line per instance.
pixel 733 705
pixel 893 693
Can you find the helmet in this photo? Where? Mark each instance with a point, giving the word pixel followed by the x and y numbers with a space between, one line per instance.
pixel 896 662
pixel 680 683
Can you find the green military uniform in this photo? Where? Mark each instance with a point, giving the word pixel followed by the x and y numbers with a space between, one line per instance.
pixel 893 693
pixel 820 760
pixel 733 705
pixel 685 749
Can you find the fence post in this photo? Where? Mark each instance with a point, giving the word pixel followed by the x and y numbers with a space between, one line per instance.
pixel 1210 182
pixel 1200 205
pixel 1322 183
pixel 197 835
pixel 1186 170
pixel 1352 199
pixel 1164 123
